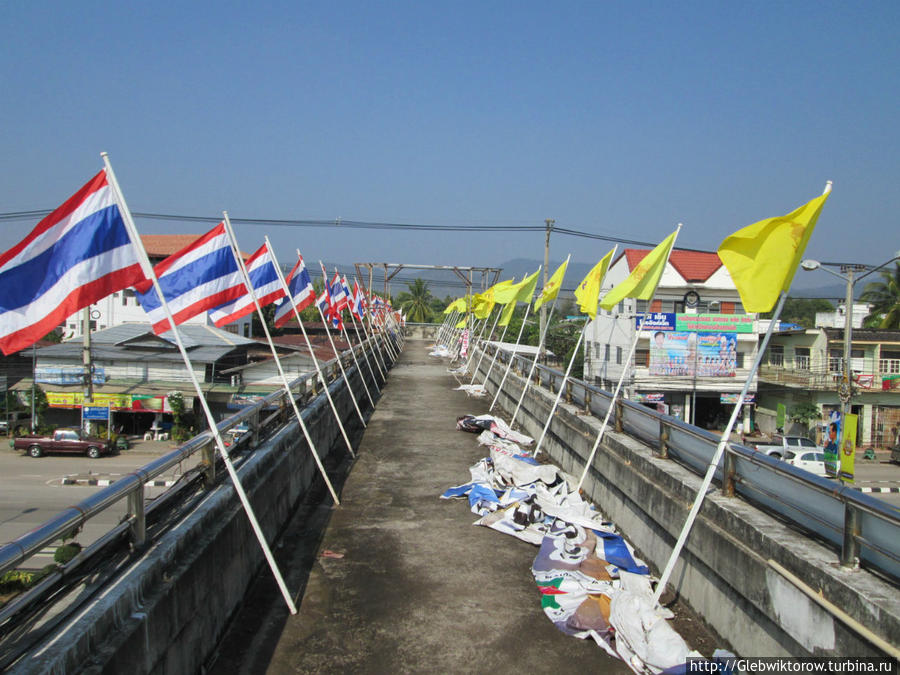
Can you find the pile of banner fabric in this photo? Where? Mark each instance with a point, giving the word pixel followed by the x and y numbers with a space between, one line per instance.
pixel 590 581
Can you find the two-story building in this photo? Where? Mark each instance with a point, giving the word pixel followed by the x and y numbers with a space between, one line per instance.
pixel 806 366
pixel 694 349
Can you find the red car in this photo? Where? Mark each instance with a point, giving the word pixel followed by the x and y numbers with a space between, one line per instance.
pixel 69 441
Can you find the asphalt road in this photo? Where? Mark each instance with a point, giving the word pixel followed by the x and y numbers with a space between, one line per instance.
pixel 32 490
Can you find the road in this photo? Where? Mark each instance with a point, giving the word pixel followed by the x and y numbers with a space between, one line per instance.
pixel 32 490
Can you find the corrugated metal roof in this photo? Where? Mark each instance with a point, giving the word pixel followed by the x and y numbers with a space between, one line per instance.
pixel 163 245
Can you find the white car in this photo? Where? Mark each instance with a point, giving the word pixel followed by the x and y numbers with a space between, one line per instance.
pixel 808 460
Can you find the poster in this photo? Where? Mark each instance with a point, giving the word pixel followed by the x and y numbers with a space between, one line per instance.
pixel 832 434
pixel 848 447
pixel 693 354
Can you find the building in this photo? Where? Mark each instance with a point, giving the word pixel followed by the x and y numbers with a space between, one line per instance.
pixel 134 370
pixel 807 365
pixel 696 346
pixel 122 306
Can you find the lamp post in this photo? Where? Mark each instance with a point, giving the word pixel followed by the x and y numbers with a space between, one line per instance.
pixel 850 274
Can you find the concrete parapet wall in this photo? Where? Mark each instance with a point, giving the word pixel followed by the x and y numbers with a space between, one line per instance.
pixel 169 609
pixel 723 572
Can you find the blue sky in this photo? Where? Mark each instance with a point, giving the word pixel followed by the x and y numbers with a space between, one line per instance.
pixel 621 119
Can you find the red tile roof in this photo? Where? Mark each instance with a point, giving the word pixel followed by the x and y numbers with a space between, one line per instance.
pixel 159 246
pixel 694 266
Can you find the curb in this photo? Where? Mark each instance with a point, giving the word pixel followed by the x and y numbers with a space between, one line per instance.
pixel 103 482
pixel 878 489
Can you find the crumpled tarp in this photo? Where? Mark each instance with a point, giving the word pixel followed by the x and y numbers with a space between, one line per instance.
pixel 592 585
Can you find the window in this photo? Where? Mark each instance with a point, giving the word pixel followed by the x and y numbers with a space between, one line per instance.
pixel 642 358
pixel 739 363
pixel 606 354
pixel 776 355
pixel 640 306
pixel 801 358
pixel 619 355
pixel 597 350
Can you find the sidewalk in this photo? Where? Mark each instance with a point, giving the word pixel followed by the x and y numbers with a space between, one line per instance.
pixel 402 580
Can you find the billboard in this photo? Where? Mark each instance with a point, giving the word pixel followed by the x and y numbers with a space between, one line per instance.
pixel 693 354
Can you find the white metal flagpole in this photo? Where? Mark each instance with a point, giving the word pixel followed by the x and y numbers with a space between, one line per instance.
pixel 309 347
pixel 483 350
pixel 210 419
pixel 376 346
pixel 365 350
pixel 562 388
pixel 512 356
pixel 717 456
pixel 362 377
pixel 284 381
pixel 625 366
pixel 337 356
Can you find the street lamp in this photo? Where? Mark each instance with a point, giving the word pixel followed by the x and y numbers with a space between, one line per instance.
pixel 848 274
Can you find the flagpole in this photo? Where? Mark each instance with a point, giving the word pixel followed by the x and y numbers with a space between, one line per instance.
pixel 376 346
pixel 562 388
pixel 512 356
pixel 534 363
pixel 717 456
pixel 214 429
pixel 309 347
pixel 496 351
pixel 355 360
pixel 370 333
pixel 541 340
pixel 625 366
pixel 612 403
pixel 284 381
pixel 334 348
pixel 365 348
pixel 483 350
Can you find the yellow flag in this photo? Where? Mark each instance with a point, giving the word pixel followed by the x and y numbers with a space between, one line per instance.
pixel 462 323
pixel 644 278
pixel 588 292
pixel 551 290
pixel 505 291
pixel 483 303
pixel 527 286
pixel 458 305
pixel 507 313
pixel 762 258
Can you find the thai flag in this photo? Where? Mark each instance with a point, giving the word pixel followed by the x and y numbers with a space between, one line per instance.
pixel 77 255
pixel 339 297
pixel 301 287
pixel 357 302
pixel 266 285
pixel 328 309
pixel 202 276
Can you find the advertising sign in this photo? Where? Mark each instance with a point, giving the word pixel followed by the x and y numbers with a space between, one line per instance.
pixel 649 398
pixel 733 398
pixel 67 374
pixel 95 412
pixel 656 321
pixel 832 434
pixel 693 354
pixel 848 447
pixel 714 323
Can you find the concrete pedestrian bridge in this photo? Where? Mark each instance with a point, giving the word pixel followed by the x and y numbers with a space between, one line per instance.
pixel 397 580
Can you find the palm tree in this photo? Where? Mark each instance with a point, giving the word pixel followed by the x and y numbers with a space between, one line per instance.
pixel 416 304
pixel 885 298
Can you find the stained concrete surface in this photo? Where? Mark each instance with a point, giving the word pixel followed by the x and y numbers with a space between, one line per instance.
pixel 401 581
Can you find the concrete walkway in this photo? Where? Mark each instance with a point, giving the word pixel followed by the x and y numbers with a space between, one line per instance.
pixel 418 588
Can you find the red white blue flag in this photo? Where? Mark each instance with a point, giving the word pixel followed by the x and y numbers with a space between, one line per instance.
pixel 77 255
pixel 357 304
pixel 338 294
pixel 329 311
pixel 266 285
pixel 200 277
pixel 301 288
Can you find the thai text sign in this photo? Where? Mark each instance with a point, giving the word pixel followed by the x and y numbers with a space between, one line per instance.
pixel 714 323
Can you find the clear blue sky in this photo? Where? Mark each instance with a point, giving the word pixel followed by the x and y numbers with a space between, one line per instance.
pixel 615 118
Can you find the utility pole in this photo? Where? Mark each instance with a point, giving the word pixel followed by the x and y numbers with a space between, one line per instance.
pixel 86 354
pixel 549 222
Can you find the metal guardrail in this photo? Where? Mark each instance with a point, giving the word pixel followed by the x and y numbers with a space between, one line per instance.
pixel 860 527
pixel 260 418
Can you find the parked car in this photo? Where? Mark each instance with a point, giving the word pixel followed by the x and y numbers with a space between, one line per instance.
pixel 71 441
pixel 808 460
pixel 781 445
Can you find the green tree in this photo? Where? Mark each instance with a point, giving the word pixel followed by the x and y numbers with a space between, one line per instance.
pixel 884 296
pixel 416 303
pixel 802 311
